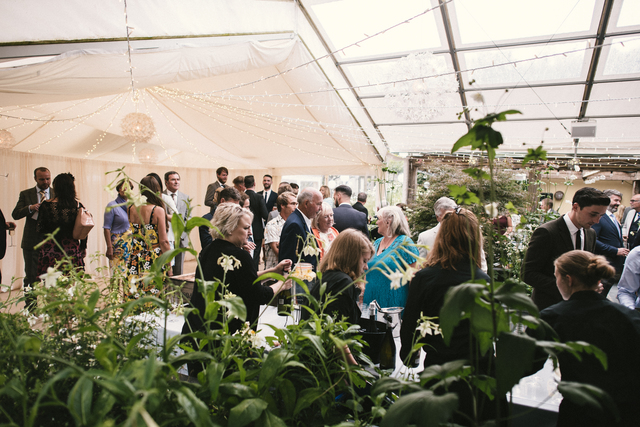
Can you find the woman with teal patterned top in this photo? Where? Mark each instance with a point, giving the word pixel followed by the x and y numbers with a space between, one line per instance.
pixel 393 253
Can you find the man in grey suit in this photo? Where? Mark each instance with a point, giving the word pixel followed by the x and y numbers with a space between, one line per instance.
pixel 550 240
pixel 181 200
pixel 28 207
pixel 221 173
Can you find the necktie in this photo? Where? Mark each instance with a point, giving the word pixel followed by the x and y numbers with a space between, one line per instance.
pixel 42 196
pixel 266 196
pixel 579 239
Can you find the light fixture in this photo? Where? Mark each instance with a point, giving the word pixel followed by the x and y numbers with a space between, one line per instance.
pixel 138 127
pixel 148 155
pixel 6 139
pixel 584 129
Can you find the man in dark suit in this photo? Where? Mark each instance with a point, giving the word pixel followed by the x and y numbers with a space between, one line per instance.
pixel 344 215
pixel 297 228
pixel 609 239
pixel 630 223
pixel 268 194
pixel 221 173
pixel 550 240
pixel 28 207
pixel 4 226
pixel 181 201
pixel 260 214
pixel 359 205
pixel 227 195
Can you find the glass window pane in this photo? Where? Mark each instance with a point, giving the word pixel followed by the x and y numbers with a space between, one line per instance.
pixel 623 56
pixel 609 99
pixel 501 20
pixel 371 78
pixel 629 13
pixel 349 21
pixel 421 139
pixel 551 63
pixel 533 103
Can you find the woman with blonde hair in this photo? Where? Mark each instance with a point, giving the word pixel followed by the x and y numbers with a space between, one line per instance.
pixel 393 253
pixel 326 195
pixel 323 230
pixel 341 268
pixel 586 315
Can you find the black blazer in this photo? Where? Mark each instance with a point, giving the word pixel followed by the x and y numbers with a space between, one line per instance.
pixel 609 239
pixel 30 237
pixel 548 242
pixel 292 239
pixel 260 213
pixel 345 216
pixel 273 196
pixel 360 207
pixel 3 235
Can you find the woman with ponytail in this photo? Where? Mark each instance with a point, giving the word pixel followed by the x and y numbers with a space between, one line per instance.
pixel 586 315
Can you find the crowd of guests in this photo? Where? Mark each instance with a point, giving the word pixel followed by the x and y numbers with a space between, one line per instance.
pixel 571 262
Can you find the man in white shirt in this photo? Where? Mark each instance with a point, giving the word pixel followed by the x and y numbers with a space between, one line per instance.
pixel 268 194
pixel 28 207
pixel 630 281
pixel 181 200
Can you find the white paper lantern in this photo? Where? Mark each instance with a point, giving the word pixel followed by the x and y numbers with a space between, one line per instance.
pixel 6 139
pixel 138 127
pixel 148 155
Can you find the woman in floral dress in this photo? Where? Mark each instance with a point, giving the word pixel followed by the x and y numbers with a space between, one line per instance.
pixel 148 241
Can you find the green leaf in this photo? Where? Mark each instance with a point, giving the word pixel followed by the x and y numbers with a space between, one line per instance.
pixel 93 300
pixel 106 353
pixel 590 349
pixel 272 366
pixel 423 408
pixel 236 307
pixel 246 411
pixel 588 395
pixel 515 359
pixel 534 155
pixel 194 222
pixel 306 398
pixel 466 139
pixel 288 396
pixel 267 419
pixel 195 408
pixel 133 343
pixel 477 173
pixel 458 303
pixel 79 400
pixel 215 373
pixel 240 390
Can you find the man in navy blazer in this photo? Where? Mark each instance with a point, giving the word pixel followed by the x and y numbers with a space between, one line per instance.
pixel 344 215
pixel 609 238
pixel 268 194
pixel 297 228
pixel 556 237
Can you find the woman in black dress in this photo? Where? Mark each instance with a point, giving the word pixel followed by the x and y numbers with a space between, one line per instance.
pixel 586 315
pixel 225 260
pixel 61 213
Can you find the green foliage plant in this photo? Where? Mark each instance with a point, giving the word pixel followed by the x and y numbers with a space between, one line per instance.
pixel 497 313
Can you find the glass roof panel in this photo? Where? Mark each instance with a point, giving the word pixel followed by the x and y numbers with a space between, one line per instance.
pixel 369 78
pixel 383 114
pixel 538 63
pixel 501 20
pixel 629 13
pixel 350 21
pixel 610 99
pixel 533 103
pixel 420 139
pixel 623 56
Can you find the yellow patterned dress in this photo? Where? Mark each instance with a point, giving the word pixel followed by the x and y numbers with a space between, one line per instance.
pixel 144 249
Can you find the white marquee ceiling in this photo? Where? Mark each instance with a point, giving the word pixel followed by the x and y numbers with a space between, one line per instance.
pixel 235 83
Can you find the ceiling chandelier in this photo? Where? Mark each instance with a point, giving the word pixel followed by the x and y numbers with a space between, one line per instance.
pixel 138 127
pixel 6 139
pixel 420 81
pixel 148 155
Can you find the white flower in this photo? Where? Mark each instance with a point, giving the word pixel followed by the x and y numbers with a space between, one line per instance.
pixel 310 250
pixel 428 327
pixel 228 295
pixel 256 340
pixel 138 200
pixel 573 177
pixel 70 291
pixel 50 277
pixel 227 262
pixel 28 288
pixel 396 280
pixel 408 275
pixel 32 320
pixel 25 312
pixel 491 209
pixel 133 289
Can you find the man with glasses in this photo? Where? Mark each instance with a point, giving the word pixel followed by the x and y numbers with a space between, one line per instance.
pixel 630 228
